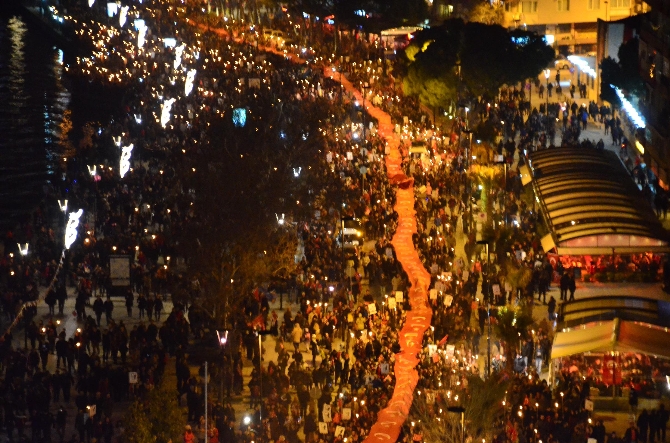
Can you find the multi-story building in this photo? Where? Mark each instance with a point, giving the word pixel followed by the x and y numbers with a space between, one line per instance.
pixel 655 105
pixel 569 23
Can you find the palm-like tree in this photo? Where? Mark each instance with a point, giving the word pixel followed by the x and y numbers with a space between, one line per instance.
pixel 512 325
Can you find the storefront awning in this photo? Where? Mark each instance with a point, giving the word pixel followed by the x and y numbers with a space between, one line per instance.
pixel 591 204
pixel 612 336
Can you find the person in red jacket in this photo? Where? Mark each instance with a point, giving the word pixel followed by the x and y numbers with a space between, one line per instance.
pixel 189 437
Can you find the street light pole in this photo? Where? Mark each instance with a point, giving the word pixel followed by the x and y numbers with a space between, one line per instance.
pixel 546 76
pixel 488 304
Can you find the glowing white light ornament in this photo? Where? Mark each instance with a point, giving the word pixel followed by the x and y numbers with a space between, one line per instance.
pixel 71 228
pixel 93 170
pixel 296 171
pixel 124 164
pixel 23 249
pixel 117 140
pixel 166 107
pixel 190 76
pixel 62 205
pixel 141 36
pixel 123 15
pixel 138 119
pixel 178 52
pixel 280 220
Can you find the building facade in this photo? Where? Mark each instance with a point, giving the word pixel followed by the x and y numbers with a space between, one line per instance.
pixel 569 22
pixel 655 105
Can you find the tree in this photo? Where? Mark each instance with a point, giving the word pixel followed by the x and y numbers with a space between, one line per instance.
pixel 482 404
pixel 487 57
pixel 623 73
pixel 487 13
pixel 512 326
pixel 155 419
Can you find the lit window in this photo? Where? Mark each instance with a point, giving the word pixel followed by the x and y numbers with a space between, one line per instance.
pixel 593 4
pixel 529 7
pixel 563 5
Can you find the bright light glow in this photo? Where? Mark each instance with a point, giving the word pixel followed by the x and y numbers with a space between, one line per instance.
pixel 124 163
pixel 546 73
pixel 170 42
pixel 138 119
pixel 62 205
pixel 632 113
pixel 141 34
pixel 178 52
pixel 549 39
pixel 583 65
pixel 112 9
pixel 123 16
pixel 92 170
pixel 23 249
pixel 247 420
pixel 240 117
pixel 71 228
pixel 190 76
pixel 639 146
pixel 280 220
pixel 90 3
pixel 166 107
pixel 296 172
pixel 117 140
pixel 139 24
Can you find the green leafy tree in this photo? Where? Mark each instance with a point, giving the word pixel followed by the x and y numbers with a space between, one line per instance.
pixel 155 419
pixel 137 425
pixel 623 74
pixel 471 59
pixel 511 326
pixel 487 13
pixel 482 404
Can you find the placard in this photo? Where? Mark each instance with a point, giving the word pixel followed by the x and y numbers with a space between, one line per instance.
pixel 346 413
pixel 132 378
pixel 350 156
pixel 392 304
pixel 450 350
pixel 389 252
pixel 372 309
pixel 448 300
pixel 339 432
pixel 398 296
pixel 430 397
pixel 466 275
pixel 384 368
pixel 588 405
pixel 327 417
pixel 405 120
pixel 433 294
pixel 432 349
pixel 329 157
pixel 323 428
pixel 496 290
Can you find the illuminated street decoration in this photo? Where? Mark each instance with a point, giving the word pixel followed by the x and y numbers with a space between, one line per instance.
pixel 112 9
pixel 124 164
pixel 239 117
pixel 23 249
pixel 141 34
pixel 583 65
pixel 178 52
pixel 627 106
pixel 166 107
pixel 71 228
pixel 190 76
pixel 123 16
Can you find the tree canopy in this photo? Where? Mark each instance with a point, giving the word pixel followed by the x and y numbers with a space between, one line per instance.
pixel 487 56
pixel 624 73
